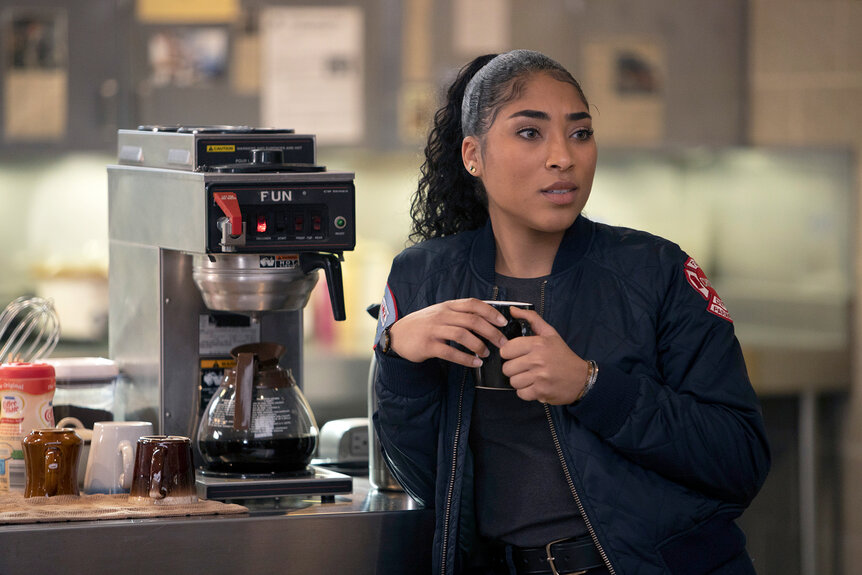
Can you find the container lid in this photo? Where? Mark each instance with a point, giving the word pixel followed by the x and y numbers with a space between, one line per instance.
pixel 84 369
pixel 21 370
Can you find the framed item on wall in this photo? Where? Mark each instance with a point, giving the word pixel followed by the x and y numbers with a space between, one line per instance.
pixel 624 79
pixel 36 76
pixel 312 71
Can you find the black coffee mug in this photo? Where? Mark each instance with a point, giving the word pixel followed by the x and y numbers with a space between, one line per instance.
pixel 490 374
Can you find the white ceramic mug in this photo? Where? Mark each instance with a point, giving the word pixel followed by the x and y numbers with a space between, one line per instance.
pixel 112 455
pixel 86 435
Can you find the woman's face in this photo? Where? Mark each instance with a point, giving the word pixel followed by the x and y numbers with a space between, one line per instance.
pixel 537 159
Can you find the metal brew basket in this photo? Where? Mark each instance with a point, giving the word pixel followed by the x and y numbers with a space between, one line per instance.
pixel 251 282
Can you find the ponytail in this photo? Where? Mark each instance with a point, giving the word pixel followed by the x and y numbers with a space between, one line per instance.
pixel 448 200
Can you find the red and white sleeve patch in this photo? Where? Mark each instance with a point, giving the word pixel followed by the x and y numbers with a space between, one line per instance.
pixel 697 279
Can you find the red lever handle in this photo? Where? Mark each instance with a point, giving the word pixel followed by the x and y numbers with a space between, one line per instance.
pixel 230 206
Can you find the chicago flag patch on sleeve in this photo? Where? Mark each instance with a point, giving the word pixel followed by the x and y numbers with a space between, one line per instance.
pixel 388 313
pixel 697 279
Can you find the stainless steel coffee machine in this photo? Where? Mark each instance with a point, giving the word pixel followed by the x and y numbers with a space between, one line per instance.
pixel 216 238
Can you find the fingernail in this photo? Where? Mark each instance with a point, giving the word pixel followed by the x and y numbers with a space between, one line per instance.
pixel 501 320
pixel 485 353
pixel 477 362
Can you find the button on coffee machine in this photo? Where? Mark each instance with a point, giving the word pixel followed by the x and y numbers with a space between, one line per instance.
pixel 217 235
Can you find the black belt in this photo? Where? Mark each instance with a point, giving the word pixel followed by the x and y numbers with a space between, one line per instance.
pixel 565 556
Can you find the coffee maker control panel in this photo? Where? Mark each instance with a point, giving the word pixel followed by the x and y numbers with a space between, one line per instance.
pixel 279 218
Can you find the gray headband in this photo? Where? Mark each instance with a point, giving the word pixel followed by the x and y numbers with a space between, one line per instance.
pixel 472 93
pixel 501 69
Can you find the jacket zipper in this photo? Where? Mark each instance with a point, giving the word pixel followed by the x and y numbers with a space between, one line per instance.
pixel 571 483
pixel 447 516
pixel 450 492
pixel 559 449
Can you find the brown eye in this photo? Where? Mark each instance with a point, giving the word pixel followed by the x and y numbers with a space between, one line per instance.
pixel 529 133
pixel 583 134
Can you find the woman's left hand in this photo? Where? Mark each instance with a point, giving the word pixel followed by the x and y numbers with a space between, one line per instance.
pixel 543 367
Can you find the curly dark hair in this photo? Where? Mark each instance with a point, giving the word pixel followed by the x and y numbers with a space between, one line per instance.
pixel 436 210
pixel 448 199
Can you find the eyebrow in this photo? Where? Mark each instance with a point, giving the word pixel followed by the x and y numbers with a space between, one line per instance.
pixel 539 115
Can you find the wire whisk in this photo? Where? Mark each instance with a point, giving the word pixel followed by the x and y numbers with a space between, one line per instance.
pixel 29 330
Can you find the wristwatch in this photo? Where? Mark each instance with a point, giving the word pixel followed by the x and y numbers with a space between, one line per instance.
pixel 386 341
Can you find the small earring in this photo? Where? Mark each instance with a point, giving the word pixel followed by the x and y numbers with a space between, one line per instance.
pixel 472 169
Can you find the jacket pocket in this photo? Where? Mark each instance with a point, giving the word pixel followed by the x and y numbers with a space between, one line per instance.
pixel 704 548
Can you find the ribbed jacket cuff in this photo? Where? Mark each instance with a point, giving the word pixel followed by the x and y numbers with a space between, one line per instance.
pixel 605 408
pixel 408 379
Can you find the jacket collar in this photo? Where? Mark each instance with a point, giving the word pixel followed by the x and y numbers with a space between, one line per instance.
pixel 575 243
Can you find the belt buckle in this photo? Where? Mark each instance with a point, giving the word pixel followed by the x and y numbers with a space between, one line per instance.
pixel 550 558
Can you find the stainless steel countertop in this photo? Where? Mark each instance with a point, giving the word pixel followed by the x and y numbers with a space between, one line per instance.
pixel 366 531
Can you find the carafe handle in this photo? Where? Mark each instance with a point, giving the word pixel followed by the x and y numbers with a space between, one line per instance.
pixel 246 365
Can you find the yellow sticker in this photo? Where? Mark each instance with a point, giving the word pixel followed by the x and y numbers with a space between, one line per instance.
pixel 221 148
pixel 217 363
pixel 187 11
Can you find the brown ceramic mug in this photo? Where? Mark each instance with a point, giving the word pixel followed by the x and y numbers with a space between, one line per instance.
pixel 164 473
pixel 51 462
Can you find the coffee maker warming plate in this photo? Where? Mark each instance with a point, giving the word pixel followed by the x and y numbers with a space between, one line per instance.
pixel 318 481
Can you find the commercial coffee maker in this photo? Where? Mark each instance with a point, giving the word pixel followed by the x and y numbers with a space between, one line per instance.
pixel 217 235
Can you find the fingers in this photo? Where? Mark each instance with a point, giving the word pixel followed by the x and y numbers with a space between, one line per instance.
pixel 469 323
pixel 450 353
pixel 531 390
pixel 517 347
pixel 521 373
pixel 479 319
pixel 543 368
pixel 462 336
pixel 527 387
pixel 529 394
pixel 479 308
pixel 449 330
pixel 537 324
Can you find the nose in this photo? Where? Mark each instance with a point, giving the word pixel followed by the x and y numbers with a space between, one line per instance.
pixel 560 156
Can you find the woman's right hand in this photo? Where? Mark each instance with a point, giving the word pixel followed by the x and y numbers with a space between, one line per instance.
pixel 428 332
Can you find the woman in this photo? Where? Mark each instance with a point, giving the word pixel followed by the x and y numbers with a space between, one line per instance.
pixel 633 438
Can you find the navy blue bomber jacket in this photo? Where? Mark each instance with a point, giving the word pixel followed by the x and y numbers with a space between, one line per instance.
pixel 664 452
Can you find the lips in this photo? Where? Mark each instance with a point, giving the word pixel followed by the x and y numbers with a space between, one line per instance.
pixel 560 192
pixel 560 187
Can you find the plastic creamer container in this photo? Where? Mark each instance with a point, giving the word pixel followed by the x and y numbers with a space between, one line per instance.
pixel 86 387
pixel 26 392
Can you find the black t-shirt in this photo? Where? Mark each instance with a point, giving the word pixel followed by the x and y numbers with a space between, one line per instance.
pixel 522 497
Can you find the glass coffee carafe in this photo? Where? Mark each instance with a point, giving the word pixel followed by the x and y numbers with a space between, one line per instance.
pixel 258 421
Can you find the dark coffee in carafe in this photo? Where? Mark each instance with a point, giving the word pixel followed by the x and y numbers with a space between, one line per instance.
pixel 260 455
